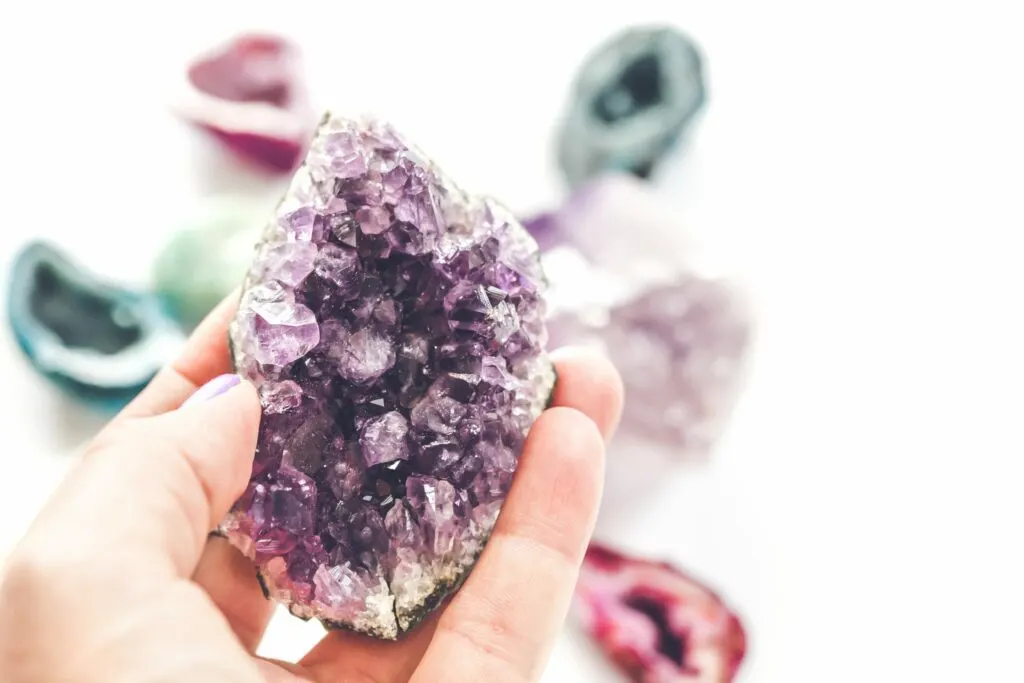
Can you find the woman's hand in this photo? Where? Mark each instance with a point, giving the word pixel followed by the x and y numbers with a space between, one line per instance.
pixel 117 580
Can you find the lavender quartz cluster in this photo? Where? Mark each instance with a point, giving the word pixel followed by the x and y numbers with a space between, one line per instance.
pixel 394 327
pixel 677 328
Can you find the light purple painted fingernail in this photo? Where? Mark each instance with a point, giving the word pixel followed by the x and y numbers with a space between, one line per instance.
pixel 215 387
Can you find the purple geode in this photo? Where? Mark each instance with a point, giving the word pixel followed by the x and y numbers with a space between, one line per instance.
pixel 394 327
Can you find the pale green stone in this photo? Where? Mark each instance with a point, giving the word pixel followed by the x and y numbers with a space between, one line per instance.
pixel 208 259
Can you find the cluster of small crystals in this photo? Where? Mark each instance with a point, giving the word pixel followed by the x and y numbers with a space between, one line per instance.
pixel 678 333
pixel 394 327
pixel 680 348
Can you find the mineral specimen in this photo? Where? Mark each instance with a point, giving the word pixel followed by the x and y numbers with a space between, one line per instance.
pixel 612 221
pixel 394 327
pixel 100 342
pixel 631 102
pixel 677 331
pixel 680 349
pixel 249 94
pixel 205 261
pixel 655 622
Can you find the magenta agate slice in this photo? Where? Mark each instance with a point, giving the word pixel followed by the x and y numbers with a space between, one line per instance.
pixel 250 95
pixel 656 623
pixel 394 327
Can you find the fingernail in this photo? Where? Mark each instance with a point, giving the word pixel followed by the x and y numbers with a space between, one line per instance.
pixel 215 387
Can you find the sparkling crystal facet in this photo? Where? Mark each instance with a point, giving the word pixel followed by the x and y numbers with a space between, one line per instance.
pixel 394 327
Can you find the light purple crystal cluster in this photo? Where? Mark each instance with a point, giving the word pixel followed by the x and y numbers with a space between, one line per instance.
pixel 679 348
pixel 394 326
pixel 677 332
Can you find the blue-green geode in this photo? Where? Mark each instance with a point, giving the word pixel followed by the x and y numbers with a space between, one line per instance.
pixel 100 342
pixel 631 102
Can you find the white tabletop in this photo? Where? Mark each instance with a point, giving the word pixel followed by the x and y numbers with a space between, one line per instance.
pixel 863 164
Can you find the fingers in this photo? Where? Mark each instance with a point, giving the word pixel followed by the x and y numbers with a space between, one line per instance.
pixel 204 357
pixel 150 490
pixel 229 579
pixel 588 382
pixel 503 622
pixel 223 573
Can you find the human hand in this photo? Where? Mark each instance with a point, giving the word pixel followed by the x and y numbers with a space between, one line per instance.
pixel 117 580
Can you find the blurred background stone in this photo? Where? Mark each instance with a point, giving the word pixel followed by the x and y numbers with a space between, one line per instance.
pixel 250 94
pixel 207 260
pixel 631 101
pixel 680 349
pixel 628 279
pixel 655 622
pixel 98 341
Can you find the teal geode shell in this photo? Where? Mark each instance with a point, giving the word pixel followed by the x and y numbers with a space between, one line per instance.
pixel 99 342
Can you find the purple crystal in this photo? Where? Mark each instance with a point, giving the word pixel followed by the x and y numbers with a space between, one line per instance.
pixel 394 327
pixel 612 221
pixel 677 335
pixel 384 438
pixel 679 349
pixel 279 397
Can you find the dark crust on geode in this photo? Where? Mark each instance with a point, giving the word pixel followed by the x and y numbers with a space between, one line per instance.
pixel 263 583
pixel 426 608
pixel 554 386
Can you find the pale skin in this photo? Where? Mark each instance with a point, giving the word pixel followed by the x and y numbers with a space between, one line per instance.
pixel 118 581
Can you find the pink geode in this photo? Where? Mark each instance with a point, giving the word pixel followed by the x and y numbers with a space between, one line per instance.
pixel 250 95
pixel 656 623
pixel 394 326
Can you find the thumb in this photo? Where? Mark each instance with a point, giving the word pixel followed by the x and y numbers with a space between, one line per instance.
pixel 150 490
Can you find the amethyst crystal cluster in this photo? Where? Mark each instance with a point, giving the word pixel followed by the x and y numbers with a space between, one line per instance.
pixel 676 330
pixel 394 327
pixel 679 348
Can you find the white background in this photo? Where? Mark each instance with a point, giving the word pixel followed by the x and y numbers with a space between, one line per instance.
pixel 864 164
